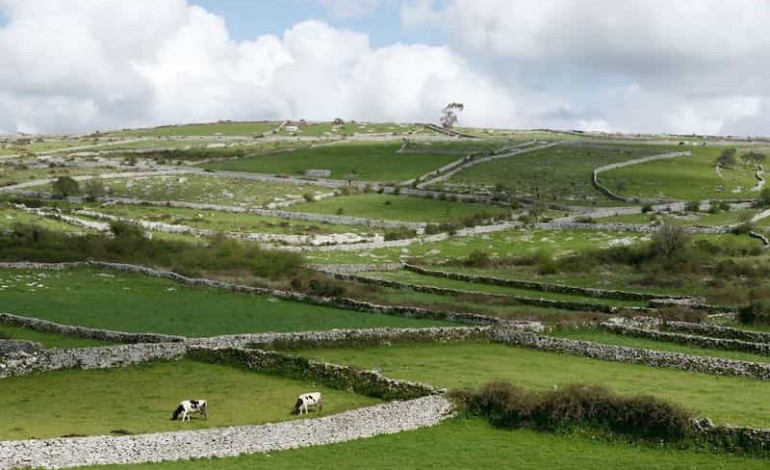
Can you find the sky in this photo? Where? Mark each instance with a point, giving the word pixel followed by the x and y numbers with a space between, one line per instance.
pixel 606 65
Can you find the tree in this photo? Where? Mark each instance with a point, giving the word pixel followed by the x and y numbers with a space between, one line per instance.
pixel 753 157
pixel 94 189
pixel 449 114
pixel 65 186
pixel 727 158
pixel 670 239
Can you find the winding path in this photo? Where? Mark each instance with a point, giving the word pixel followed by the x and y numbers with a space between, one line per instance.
pixel 388 418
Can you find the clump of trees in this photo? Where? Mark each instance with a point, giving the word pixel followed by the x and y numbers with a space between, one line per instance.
pixel 449 114
pixel 727 158
pixel 64 187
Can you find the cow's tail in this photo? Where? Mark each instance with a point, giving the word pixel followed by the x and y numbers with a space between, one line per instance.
pixel 179 409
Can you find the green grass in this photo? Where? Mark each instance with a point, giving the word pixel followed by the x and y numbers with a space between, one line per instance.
pixel 212 190
pixel 423 280
pixel 725 399
pixel 10 217
pixel 225 221
pixel 49 340
pixel 561 173
pixel 665 178
pixel 605 337
pixel 517 242
pixel 95 402
pixel 131 302
pixel 388 207
pixel 469 444
pixel 356 161
pixel 224 128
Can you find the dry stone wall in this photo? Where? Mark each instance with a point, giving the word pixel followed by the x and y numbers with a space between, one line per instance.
pixel 717 331
pixel 648 357
pixel 606 191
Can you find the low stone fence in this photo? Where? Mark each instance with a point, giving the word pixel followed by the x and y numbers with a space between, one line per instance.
pixel 717 331
pixel 607 192
pixel 647 357
pixel 89 358
pixel 347 337
pixel 18 346
pixel 688 340
pixel 355 268
pixel 521 300
pixel 83 332
pixel 364 382
pixel 538 286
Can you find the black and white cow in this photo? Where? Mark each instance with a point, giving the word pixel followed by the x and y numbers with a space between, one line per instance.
pixel 188 407
pixel 307 400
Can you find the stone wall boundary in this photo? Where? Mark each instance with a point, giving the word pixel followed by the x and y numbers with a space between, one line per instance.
pixel 688 340
pixel 647 357
pixel 84 332
pixel 717 331
pixel 540 286
pixel 522 300
pixel 610 194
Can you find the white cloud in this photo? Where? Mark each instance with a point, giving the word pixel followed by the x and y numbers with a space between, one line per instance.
pixel 77 65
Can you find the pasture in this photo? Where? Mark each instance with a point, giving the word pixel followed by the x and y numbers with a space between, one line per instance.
pixel 404 208
pixel 225 128
pixel 347 161
pixel 225 221
pixel 135 303
pixel 207 189
pixel 47 339
pixel 474 363
pixel 98 402
pixel 663 179
pixel 532 174
pixel 470 443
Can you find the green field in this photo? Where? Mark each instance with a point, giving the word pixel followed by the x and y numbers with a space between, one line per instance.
pixel 203 129
pixel 532 174
pixel 665 178
pixel 517 242
pixel 204 189
pixel 226 221
pixel 91 402
pixel 688 218
pixel 389 207
pixel 472 364
pixel 468 444
pixel 433 281
pixel 354 161
pixel 604 337
pixel 131 302
pixel 11 217
pixel 49 340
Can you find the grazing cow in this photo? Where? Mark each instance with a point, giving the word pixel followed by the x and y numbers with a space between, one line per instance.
pixel 307 400
pixel 187 407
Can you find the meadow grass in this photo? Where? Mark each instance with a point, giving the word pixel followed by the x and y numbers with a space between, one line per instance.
pixel 735 400
pixel 389 207
pixel 687 218
pixel 203 129
pixel 10 217
pixel 95 402
pixel 213 190
pixel 225 221
pixel 354 161
pixel 433 281
pixel 516 242
pixel 665 178
pixel 561 173
pixel 467 444
pixel 605 337
pixel 48 339
pixel 136 303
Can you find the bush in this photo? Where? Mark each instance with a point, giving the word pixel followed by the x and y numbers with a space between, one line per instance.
pixel 692 206
pixel 399 233
pixel 478 259
pixel 309 197
pixel 94 189
pixel 64 187
pixel 578 405
pixel 646 208
pixel 670 240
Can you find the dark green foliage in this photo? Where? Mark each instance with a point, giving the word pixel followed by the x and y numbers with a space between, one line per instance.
pixel 65 186
pixel 574 406
pixel 764 198
pixel 399 233
pixel 692 206
pixel 478 259
pixel 727 158
pixel 129 244
pixel 94 189
pixel 670 240
pixel 756 313
pixel 646 208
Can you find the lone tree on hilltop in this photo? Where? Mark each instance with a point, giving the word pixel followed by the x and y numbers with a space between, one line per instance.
pixel 65 186
pixel 449 114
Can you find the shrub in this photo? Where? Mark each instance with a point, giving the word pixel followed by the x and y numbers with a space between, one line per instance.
pixel 478 259
pixel 339 211
pixel 692 206
pixel 309 197
pixel 399 233
pixel 670 240
pixel 577 405
pixel 94 189
pixel 64 187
